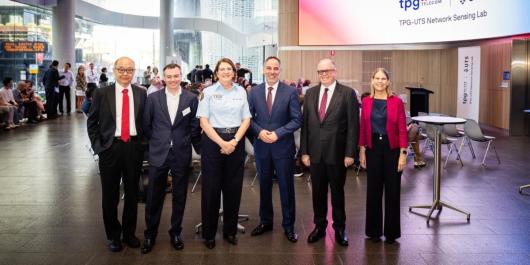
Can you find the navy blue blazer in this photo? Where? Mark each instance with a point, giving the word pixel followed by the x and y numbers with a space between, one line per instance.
pixel 285 119
pixel 161 131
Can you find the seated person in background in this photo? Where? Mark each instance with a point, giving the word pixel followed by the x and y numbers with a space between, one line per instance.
pixel 28 107
pixel 8 111
pixel 413 135
pixel 30 93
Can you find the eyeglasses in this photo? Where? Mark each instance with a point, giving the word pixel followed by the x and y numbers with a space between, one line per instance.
pixel 325 72
pixel 125 70
pixel 227 69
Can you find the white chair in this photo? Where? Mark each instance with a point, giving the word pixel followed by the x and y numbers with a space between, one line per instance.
pixel 444 140
pixel 195 158
pixel 474 133
pixel 249 149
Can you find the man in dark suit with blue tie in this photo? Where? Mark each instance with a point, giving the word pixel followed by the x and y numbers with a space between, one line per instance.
pixel 276 116
pixel 171 127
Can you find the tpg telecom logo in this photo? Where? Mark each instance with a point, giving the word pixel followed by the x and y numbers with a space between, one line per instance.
pixel 415 4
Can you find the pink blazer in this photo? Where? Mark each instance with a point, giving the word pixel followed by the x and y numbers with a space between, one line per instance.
pixel 396 127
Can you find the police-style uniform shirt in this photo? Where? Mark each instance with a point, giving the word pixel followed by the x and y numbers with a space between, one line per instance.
pixel 224 108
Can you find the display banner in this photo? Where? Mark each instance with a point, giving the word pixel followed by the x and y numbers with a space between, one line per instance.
pixel 357 22
pixel 468 93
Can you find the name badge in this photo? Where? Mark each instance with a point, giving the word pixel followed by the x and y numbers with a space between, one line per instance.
pixel 186 111
pixel 217 97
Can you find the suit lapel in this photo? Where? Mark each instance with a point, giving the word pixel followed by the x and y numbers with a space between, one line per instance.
pixel 316 103
pixel 279 91
pixel 111 98
pixel 136 99
pixel 163 106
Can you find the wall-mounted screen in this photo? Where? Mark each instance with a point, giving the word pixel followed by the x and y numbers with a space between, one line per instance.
pixel 354 22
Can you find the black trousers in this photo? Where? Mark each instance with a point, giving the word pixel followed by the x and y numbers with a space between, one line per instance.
pixel 323 175
pixel 381 165
pixel 64 92
pixel 221 174
pixel 120 161
pixel 156 194
pixel 51 102
pixel 31 110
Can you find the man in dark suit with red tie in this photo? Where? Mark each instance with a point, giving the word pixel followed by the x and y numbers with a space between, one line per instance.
pixel 276 116
pixel 114 127
pixel 171 127
pixel 328 142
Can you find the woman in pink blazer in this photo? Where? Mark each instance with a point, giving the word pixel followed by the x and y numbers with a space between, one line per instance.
pixel 383 152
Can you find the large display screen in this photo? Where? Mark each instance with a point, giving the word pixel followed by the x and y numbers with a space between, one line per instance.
pixel 353 22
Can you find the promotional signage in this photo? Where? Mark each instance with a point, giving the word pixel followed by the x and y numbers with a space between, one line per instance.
pixel 468 94
pixel 351 22
pixel 24 46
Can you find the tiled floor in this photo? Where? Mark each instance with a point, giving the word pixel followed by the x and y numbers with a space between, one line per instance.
pixel 50 211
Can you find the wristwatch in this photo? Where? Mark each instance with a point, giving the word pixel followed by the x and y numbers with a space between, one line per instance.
pixel 237 140
pixel 404 152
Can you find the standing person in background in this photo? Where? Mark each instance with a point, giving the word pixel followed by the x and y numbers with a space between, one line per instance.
pixel 147 76
pixel 327 143
pixel 276 116
pixel 80 87
pixel 92 78
pixel 103 78
pixel 51 86
pixel 65 87
pixel 114 127
pixel 171 125
pixel 383 143
pixel 224 117
pixel 207 73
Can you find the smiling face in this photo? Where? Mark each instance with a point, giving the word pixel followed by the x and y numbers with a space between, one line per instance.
pixel 225 72
pixel 271 70
pixel 326 72
pixel 124 71
pixel 172 77
pixel 380 82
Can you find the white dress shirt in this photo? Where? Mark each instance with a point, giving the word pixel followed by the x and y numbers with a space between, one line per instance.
pixel 68 78
pixel 119 104
pixel 172 104
pixel 331 88
pixel 92 76
pixel 274 89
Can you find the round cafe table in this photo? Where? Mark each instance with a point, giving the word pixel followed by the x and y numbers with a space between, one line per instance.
pixel 437 203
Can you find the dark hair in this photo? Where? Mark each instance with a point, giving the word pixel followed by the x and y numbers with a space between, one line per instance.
pixel 207 66
pixel 171 66
pixel 307 82
pixel 69 65
pixel 104 69
pixel 224 60
pixel 7 80
pixel 273 58
pixel 55 63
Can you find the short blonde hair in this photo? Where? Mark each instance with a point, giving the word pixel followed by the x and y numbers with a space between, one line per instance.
pixel 388 89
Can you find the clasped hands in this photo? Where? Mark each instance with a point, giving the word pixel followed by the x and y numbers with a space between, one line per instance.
pixel 268 136
pixel 227 147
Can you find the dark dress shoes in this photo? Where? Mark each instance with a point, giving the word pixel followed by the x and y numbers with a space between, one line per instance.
pixel 131 241
pixel 341 237
pixel 115 246
pixel 209 243
pixel 390 241
pixel 148 245
pixel 177 242
pixel 291 236
pixel 316 234
pixel 375 239
pixel 232 239
pixel 260 229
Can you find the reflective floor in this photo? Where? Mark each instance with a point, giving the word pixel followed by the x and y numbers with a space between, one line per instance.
pixel 50 211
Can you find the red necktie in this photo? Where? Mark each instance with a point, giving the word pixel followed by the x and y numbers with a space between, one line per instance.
pixel 125 132
pixel 323 103
pixel 269 100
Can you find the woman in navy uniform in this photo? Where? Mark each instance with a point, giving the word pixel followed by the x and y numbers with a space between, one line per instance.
pixel 224 117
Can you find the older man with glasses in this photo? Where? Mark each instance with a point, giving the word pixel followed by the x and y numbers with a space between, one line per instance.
pixel 115 127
